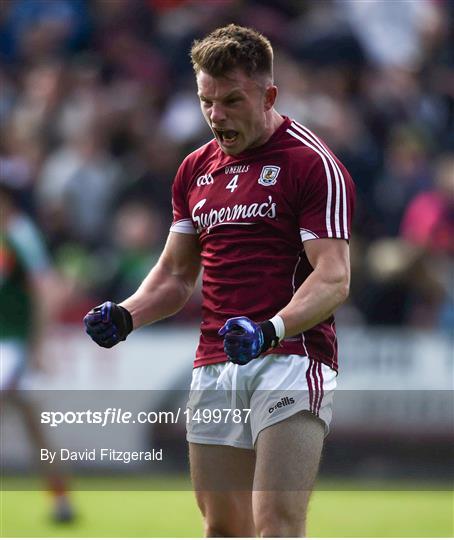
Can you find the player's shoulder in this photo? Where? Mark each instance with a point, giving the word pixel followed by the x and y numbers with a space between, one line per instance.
pixel 196 161
pixel 304 141
pixel 204 153
pixel 307 146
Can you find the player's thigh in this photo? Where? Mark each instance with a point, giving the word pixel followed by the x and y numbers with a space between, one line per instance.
pixel 222 477
pixel 287 461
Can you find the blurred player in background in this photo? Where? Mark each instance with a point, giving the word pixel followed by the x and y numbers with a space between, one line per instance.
pixel 28 293
pixel 265 209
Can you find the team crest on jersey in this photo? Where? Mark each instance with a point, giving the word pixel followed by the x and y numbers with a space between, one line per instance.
pixel 269 174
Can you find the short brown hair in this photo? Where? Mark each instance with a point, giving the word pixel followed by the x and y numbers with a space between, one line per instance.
pixel 233 47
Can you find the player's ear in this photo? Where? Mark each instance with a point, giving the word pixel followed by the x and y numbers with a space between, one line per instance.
pixel 270 97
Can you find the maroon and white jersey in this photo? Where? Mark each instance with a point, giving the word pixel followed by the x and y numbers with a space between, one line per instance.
pixel 252 213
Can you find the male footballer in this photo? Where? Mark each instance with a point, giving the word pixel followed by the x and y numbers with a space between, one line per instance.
pixel 265 209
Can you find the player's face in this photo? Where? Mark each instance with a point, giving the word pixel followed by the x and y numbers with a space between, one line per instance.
pixel 235 107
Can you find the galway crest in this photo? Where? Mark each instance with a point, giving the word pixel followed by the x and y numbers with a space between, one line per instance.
pixel 269 174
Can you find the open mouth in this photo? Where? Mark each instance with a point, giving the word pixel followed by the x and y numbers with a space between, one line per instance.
pixel 227 136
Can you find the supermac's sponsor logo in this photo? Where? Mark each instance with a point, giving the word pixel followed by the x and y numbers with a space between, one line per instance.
pixel 205 180
pixel 238 213
pixel 269 174
pixel 282 403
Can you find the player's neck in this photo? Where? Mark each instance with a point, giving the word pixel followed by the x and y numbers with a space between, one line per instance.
pixel 273 122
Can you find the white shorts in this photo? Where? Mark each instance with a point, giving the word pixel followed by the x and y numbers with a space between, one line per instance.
pixel 13 359
pixel 230 404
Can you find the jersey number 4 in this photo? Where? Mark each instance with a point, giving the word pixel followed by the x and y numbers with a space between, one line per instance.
pixel 233 184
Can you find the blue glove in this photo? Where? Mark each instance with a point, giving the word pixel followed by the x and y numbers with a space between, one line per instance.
pixel 245 340
pixel 108 324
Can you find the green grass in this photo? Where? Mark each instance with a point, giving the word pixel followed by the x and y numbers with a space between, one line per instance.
pixel 337 509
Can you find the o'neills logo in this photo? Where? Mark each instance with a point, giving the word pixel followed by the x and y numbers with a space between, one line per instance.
pixel 232 214
pixel 282 403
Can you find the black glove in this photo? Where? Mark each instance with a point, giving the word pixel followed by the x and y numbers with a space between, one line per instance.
pixel 108 324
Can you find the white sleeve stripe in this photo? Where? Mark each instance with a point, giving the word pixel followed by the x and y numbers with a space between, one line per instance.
pixel 326 152
pixel 338 171
pixel 337 174
pixel 328 181
pixel 184 220
pixel 307 235
pixel 184 226
pixel 308 230
pixel 344 195
pixel 181 230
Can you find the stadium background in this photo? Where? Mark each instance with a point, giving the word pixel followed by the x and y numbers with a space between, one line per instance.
pixel 97 110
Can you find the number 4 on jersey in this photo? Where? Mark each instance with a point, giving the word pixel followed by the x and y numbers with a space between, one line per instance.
pixel 233 184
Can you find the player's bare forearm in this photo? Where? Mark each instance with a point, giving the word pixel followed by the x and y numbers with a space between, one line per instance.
pixel 325 289
pixel 169 284
pixel 316 299
pixel 161 295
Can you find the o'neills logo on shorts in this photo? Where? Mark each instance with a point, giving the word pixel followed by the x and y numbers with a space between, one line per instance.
pixel 236 214
pixel 282 403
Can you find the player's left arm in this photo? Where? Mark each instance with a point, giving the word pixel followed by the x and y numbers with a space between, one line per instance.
pixel 316 299
pixel 324 290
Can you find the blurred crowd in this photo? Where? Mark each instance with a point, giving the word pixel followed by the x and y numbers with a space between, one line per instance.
pixel 98 107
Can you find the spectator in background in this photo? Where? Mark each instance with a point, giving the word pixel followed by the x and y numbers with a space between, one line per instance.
pixel 77 186
pixel 38 107
pixel 407 173
pixel 428 224
pixel 137 246
pixel 394 34
pixel 407 280
pixel 399 286
pixel 36 29
pixel 429 218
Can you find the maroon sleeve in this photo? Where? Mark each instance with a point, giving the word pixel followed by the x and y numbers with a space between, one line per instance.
pixel 327 199
pixel 182 221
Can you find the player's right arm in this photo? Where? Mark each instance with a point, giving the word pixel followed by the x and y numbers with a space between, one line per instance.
pixel 169 284
pixel 164 291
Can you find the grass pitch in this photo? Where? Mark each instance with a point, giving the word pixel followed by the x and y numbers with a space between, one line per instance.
pixel 337 509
